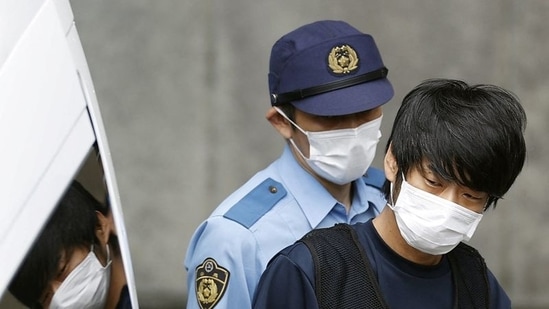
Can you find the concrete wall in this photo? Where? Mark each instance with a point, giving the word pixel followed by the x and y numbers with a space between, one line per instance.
pixel 183 91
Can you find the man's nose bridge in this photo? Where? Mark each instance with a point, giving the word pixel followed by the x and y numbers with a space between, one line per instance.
pixel 451 194
pixel 354 121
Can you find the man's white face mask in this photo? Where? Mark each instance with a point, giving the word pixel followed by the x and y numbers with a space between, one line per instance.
pixel 341 156
pixel 430 223
pixel 86 286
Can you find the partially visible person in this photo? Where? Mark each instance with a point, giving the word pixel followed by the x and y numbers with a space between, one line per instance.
pixel 327 85
pixel 75 262
pixel 454 151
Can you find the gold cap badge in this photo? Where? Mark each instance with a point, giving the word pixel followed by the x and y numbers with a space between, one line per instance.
pixel 211 281
pixel 343 59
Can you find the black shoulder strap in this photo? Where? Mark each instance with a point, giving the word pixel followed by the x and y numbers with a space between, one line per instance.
pixel 343 275
pixel 470 276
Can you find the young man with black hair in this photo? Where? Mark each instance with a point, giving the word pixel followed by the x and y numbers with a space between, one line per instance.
pixel 75 261
pixel 454 151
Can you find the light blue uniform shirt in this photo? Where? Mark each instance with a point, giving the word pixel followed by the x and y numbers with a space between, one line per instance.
pixel 276 207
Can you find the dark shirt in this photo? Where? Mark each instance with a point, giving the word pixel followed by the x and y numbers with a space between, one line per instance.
pixel 288 281
pixel 124 302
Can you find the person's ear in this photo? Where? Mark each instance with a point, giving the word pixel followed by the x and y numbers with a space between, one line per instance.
pixel 390 165
pixel 103 228
pixel 281 124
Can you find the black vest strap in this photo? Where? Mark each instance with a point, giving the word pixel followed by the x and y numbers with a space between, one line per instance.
pixel 343 275
pixel 470 276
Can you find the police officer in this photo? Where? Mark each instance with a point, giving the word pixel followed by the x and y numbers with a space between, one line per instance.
pixel 327 84
pixel 454 151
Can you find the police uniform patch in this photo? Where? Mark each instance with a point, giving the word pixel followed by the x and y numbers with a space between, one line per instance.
pixel 211 282
pixel 343 59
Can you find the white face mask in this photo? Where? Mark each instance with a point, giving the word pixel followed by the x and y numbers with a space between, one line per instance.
pixel 86 286
pixel 430 223
pixel 341 156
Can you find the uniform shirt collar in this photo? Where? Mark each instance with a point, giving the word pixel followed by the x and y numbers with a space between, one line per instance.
pixel 313 199
pixel 360 200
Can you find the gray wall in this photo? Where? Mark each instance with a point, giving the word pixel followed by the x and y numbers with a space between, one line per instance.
pixel 183 92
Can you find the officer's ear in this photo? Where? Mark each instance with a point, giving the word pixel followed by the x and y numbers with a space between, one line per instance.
pixel 281 124
pixel 390 165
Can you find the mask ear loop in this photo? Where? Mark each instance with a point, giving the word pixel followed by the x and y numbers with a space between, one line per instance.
pixel 109 259
pixel 295 125
pixel 391 191
pixel 392 202
pixel 288 118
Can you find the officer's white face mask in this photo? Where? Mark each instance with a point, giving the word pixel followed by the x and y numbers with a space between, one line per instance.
pixel 341 156
pixel 86 286
pixel 430 223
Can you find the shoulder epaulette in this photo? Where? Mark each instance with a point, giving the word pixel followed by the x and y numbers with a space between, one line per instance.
pixel 256 203
pixel 374 177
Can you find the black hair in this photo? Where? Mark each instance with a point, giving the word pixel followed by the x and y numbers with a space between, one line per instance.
pixel 471 135
pixel 71 225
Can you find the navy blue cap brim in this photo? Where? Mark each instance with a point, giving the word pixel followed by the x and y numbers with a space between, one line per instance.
pixel 348 100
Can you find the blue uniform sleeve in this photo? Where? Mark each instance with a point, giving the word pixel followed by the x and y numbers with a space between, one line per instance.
pixel 222 267
pixel 224 259
pixel 286 283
